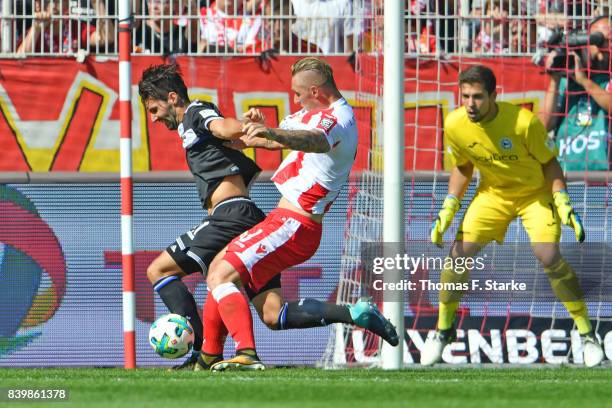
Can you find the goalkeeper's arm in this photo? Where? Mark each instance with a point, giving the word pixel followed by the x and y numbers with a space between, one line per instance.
pixel 554 176
pixel 458 183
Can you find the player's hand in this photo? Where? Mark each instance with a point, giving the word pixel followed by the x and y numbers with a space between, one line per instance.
pixel 445 217
pixel 568 215
pixel 244 141
pixel 255 130
pixel 254 115
pixel 236 144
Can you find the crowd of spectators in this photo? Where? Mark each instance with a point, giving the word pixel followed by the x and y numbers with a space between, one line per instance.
pixel 60 27
pixel 577 106
pixel 293 26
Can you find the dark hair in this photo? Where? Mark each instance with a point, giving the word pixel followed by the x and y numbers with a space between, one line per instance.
pixel 159 80
pixel 479 74
pixel 598 19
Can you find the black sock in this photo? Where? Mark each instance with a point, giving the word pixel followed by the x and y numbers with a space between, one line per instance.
pixel 179 300
pixel 248 352
pixel 207 360
pixel 311 313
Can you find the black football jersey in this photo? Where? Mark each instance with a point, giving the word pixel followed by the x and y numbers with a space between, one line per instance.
pixel 208 159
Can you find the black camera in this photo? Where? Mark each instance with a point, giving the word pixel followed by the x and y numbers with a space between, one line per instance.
pixel 82 10
pixel 574 41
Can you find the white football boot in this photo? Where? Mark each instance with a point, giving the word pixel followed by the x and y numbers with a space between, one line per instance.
pixel 592 353
pixel 434 346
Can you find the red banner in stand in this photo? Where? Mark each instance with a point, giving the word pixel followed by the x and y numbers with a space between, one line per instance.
pixel 58 114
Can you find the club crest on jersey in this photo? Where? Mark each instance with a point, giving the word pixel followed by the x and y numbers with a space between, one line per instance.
pixel 327 123
pixel 505 143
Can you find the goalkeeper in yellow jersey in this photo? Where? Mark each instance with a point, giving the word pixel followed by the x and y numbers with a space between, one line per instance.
pixel 520 177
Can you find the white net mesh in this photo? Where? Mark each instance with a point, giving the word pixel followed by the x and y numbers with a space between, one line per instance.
pixel 430 83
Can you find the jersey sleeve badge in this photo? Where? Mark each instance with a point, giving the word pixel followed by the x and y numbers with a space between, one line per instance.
pixel 327 122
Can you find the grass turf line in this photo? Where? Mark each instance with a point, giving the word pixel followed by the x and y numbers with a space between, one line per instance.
pixel 299 388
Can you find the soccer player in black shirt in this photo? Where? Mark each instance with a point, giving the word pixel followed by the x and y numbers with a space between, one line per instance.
pixel 222 176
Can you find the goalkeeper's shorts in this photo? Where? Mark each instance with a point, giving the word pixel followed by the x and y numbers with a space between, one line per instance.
pixel 488 216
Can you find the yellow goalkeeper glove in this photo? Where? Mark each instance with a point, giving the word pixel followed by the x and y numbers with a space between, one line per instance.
pixel 568 215
pixel 445 217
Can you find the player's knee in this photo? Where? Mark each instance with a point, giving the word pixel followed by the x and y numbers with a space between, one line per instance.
pixel 154 273
pixel 216 277
pixel 270 319
pixel 548 255
pixel 462 249
pixel 211 279
pixel 221 272
pixel 548 260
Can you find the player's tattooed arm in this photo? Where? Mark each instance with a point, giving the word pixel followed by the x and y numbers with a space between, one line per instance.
pixel 259 142
pixel 309 141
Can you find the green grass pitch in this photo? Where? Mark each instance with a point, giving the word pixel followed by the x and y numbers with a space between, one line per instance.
pixel 306 387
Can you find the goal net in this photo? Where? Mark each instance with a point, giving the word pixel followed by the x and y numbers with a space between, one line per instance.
pixel 506 326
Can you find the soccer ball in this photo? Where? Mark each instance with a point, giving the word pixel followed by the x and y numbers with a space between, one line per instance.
pixel 171 336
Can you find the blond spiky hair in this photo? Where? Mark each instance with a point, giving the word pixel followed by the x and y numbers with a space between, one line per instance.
pixel 319 66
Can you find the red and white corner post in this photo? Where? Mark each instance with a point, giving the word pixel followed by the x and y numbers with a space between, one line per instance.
pixel 127 199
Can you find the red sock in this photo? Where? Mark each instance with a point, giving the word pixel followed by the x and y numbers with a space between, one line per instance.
pixel 215 331
pixel 236 315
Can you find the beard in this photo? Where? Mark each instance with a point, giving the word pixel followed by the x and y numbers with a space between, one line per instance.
pixel 171 121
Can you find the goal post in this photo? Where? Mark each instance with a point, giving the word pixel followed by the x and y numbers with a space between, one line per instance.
pixel 430 92
pixel 393 163
pixel 127 193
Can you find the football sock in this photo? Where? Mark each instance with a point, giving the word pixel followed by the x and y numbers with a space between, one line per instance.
pixel 215 331
pixel 248 352
pixel 566 287
pixel 579 312
pixel 179 300
pixel 207 360
pixel 236 315
pixel 311 313
pixel 446 315
pixel 449 299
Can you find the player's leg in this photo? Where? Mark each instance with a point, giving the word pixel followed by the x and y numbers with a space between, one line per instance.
pixel 448 304
pixel 449 299
pixel 543 226
pixel 486 219
pixel 190 253
pixel 165 275
pixel 199 247
pixel 229 219
pixel 214 335
pixel 283 240
pixel 193 252
pixel 224 282
pixel 306 313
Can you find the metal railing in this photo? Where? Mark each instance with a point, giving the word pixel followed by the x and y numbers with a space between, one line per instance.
pixel 296 27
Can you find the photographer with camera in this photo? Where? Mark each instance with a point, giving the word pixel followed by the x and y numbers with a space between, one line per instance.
pixel 577 105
